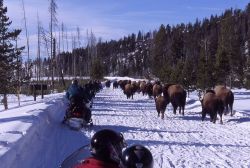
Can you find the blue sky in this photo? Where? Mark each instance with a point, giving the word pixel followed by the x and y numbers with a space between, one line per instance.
pixel 113 19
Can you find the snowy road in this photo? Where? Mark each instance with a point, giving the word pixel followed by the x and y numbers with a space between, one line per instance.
pixel 176 141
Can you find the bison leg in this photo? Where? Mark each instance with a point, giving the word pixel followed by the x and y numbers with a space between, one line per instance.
pixel 231 109
pixel 179 109
pixel 226 109
pixel 221 118
pixel 158 113
pixel 162 114
pixel 174 107
pixel 183 107
pixel 203 115
pixel 214 118
pixel 211 117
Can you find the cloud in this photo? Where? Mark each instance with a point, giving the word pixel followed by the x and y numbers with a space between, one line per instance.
pixel 203 8
pixel 146 13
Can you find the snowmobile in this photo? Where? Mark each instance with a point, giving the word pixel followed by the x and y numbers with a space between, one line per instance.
pixel 76 157
pixel 78 116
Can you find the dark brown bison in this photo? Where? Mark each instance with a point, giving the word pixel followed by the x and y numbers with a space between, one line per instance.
pixel 115 84
pixel 122 84
pixel 176 95
pixel 135 87
pixel 143 87
pixel 108 83
pixel 149 89
pixel 227 97
pixel 211 105
pixel 128 91
pixel 138 87
pixel 161 104
pixel 157 90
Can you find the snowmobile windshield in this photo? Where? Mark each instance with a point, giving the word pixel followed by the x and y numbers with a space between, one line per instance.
pixel 76 157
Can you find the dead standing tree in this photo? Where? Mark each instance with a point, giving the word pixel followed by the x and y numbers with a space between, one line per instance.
pixel 53 23
pixel 28 70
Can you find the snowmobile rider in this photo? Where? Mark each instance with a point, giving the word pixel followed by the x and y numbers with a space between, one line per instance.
pixel 137 156
pixel 76 92
pixel 106 150
pixel 77 96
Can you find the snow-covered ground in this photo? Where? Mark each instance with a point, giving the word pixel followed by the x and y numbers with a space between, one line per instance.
pixel 32 135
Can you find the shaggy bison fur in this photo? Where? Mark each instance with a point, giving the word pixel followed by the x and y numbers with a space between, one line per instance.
pixel 212 105
pixel 226 96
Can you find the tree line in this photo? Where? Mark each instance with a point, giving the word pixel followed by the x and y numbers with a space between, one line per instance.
pixel 200 54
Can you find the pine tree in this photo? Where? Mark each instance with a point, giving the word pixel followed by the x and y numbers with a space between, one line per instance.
pixel 222 66
pixel 188 74
pixel 176 75
pixel 159 51
pixel 224 51
pixel 202 71
pixel 9 54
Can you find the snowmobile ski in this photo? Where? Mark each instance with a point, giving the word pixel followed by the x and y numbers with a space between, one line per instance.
pixel 77 123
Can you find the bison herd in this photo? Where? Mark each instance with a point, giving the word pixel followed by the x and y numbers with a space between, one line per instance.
pixel 213 102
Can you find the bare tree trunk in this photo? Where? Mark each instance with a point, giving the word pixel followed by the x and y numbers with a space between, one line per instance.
pixel 43 33
pixel 38 50
pixel 67 41
pixel 62 33
pixel 53 20
pixel 73 54
pixel 67 49
pixel 79 45
pixel 52 57
pixel 60 60
pixel 27 39
pixel 87 63
pixel 5 101
pixel 18 89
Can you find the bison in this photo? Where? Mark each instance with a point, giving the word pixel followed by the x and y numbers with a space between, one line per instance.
pixel 128 91
pixel 108 83
pixel 212 105
pixel 161 104
pixel 157 90
pixel 143 87
pixel 115 84
pixel 176 95
pixel 135 87
pixel 149 89
pixel 122 84
pixel 226 96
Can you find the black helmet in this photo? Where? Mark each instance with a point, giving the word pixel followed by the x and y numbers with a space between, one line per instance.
pixel 137 156
pixel 107 145
pixel 75 82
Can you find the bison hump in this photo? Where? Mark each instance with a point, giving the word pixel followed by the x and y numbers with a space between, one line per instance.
pixel 173 89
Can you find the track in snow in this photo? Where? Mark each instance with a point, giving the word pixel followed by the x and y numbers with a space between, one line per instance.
pixel 176 141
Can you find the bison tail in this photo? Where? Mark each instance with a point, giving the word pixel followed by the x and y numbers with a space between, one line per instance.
pixel 231 97
pixel 184 97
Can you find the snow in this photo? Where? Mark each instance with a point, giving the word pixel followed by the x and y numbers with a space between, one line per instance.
pixel 32 135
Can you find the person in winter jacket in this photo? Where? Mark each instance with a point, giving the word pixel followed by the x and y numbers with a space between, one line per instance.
pixel 75 91
pixel 106 150
pixel 77 97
